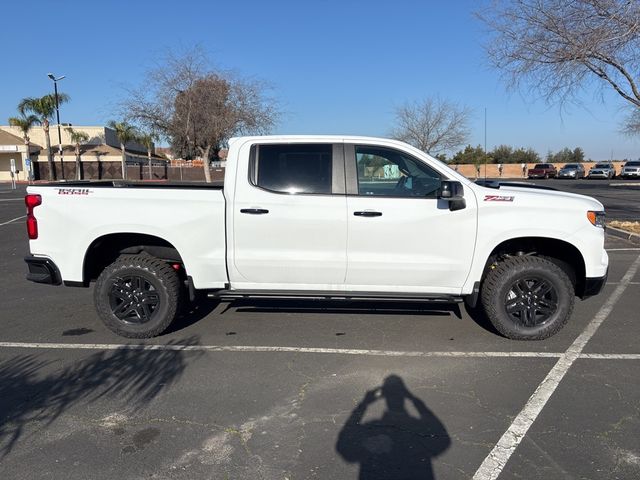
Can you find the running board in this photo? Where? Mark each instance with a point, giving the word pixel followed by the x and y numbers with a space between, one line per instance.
pixel 331 295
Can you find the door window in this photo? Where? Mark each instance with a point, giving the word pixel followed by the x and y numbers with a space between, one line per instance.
pixel 387 172
pixel 296 168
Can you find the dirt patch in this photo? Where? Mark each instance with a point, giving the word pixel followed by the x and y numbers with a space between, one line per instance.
pixel 631 227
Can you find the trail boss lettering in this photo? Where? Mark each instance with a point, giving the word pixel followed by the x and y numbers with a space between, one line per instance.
pixel 74 191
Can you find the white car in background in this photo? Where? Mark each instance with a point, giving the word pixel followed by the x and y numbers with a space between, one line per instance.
pixel 604 170
pixel 631 169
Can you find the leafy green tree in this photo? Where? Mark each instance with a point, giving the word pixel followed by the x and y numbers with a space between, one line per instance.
pixel 566 155
pixel 77 138
pixel 502 154
pixel 125 133
pixel 522 155
pixel 469 155
pixel 578 155
pixel 24 123
pixel 43 108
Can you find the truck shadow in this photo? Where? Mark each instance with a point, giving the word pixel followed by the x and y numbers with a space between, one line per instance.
pixel 479 316
pixel 192 312
pixel 343 307
pixel 36 391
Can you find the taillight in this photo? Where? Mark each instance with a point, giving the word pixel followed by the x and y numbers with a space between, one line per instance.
pixel 32 201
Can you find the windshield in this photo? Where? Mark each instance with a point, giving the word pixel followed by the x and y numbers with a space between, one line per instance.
pixel 571 166
pixel 632 164
pixel 541 165
pixel 602 165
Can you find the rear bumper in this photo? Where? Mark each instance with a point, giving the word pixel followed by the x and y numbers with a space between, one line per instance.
pixel 593 286
pixel 42 270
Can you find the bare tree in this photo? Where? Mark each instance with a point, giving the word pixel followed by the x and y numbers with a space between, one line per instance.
pixel 557 48
pixel 433 125
pixel 198 109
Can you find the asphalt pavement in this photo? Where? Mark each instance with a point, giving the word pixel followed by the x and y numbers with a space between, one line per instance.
pixel 303 389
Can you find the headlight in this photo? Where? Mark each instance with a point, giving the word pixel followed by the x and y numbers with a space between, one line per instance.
pixel 596 218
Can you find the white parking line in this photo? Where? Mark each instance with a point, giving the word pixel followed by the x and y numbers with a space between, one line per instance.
pixel 611 356
pixel 274 349
pixel 13 220
pixel 622 249
pixel 11 199
pixel 493 465
pixel 335 351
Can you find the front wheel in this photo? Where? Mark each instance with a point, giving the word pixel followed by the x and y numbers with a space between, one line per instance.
pixel 137 296
pixel 527 298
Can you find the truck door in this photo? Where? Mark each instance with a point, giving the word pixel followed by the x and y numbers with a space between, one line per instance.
pixel 289 218
pixel 401 236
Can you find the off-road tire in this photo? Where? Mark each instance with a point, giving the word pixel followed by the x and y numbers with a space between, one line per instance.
pixel 501 283
pixel 163 285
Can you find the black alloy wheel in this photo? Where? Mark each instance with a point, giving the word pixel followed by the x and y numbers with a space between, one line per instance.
pixel 527 297
pixel 531 301
pixel 133 299
pixel 137 296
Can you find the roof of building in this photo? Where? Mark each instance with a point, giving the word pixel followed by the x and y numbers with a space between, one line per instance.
pixel 7 138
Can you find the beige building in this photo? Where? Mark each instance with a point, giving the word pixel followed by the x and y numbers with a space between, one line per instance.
pixel 100 154
pixel 12 147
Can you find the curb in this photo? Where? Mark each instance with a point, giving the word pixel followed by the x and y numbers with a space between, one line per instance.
pixel 630 237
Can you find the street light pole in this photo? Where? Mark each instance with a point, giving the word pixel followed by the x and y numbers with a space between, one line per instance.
pixel 55 89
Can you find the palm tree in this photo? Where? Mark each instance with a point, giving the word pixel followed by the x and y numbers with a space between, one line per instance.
pixel 77 138
pixel 148 140
pixel 43 108
pixel 125 133
pixel 24 123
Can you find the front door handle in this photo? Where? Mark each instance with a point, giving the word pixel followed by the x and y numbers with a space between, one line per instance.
pixel 254 211
pixel 368 213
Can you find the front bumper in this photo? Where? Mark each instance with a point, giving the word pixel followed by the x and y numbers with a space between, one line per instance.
pixel 42 270
pixel 599 175
pixel 593 286
pixel 630 174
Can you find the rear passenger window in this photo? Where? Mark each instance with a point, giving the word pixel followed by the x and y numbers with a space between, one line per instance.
pixel 298 168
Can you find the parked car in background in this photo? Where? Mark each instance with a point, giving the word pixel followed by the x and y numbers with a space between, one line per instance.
pixel 631 169
pixel 571 170
pixel 543 170
pixel 604 170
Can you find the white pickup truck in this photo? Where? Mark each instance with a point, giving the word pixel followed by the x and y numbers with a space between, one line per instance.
pixel 321 217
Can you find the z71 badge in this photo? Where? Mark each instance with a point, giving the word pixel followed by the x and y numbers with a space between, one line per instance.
pixel 498 198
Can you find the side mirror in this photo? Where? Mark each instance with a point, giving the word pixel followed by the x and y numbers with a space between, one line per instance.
pixel 453 193
pixel 451 190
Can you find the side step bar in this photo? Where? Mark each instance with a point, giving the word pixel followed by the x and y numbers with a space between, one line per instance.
pixel 330 295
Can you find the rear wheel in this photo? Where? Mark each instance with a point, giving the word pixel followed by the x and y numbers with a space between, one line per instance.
pixel 137 296
pixel 527 297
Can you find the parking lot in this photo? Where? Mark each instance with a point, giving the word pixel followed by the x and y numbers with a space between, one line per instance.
pixel 310 389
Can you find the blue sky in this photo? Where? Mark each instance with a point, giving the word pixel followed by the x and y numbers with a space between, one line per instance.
pixel 335 66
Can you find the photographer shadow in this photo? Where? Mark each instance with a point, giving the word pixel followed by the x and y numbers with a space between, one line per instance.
pixel 398 445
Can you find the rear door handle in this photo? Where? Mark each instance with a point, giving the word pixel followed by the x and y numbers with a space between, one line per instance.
pixel 368 213
pixel 254 211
